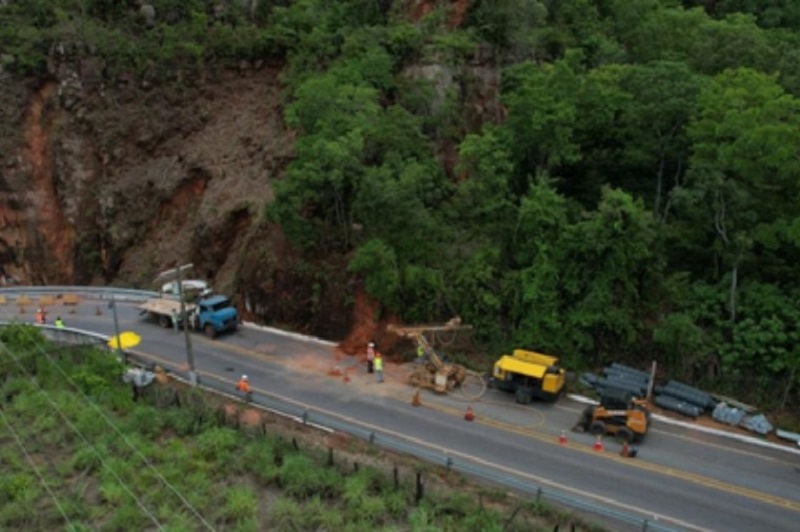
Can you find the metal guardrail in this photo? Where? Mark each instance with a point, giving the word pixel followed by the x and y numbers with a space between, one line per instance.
pixel 308 415
pixel 97 292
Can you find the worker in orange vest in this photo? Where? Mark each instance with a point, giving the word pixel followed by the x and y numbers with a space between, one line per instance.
pixel 244 387
pixel 41 316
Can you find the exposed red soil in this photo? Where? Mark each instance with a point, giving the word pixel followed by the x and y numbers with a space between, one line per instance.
pixel 366 327
pixel 52 227
pixel 456 11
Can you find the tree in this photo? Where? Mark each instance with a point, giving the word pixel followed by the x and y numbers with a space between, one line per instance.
pixel 539 303
pixel 314 201
pixel 611 265
pixel 663 100
pixel 542 117
pixel 743 176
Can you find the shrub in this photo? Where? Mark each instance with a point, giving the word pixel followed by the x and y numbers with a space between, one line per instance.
pixel 322 516
pixel 260 457
pixel 300 477
pixel 370 509
pixel 217 443
pixel 86 459
pixel 17 487
pixel 396 503
pixel 420 519
pixel 129 517
pixel 111 492
pixel 187 421
pixel 285 514
pixel 145 421
pixel 240 504
pixel 481 520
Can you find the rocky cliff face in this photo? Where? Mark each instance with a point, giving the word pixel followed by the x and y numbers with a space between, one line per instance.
pixel 108 183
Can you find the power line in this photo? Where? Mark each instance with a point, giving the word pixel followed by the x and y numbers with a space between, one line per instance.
pixel 116 429
pixel 85 440
pixel 29 458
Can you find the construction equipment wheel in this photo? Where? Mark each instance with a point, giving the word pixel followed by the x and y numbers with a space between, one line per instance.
pixel 209 330
pixel 524 395
pixel 598 428
pixel 585 420
pixel 624 435
pixel 459 373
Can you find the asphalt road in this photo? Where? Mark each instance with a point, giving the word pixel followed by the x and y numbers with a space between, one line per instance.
pixel 685 479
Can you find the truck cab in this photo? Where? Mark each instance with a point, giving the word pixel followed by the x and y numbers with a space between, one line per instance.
pixel 214 315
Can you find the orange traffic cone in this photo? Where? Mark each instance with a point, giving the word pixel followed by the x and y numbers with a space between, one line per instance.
pixel 469 415
pixel 598 443
pixel 415 401
pixel 562 438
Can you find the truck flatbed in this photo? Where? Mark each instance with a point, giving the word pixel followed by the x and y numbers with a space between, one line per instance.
pixel 164 306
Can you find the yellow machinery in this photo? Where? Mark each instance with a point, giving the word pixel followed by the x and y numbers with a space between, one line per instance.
pixel 529 375
pixel 434 373
pixel 626 418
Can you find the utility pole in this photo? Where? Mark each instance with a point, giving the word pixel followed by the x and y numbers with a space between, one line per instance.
pixel 113 306
pixel 176 274
pixel 652 381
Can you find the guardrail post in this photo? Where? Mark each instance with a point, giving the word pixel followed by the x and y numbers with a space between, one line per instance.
pixel 448 463
pixel 644 525
pixel 372 437
pixel 305 417
pixel 538 494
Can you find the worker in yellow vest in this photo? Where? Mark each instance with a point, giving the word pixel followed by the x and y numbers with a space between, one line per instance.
pixel 59 322
pixel 378 366
pixel 420 355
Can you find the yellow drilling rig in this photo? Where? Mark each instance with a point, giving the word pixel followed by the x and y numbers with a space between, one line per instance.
pixel 433 372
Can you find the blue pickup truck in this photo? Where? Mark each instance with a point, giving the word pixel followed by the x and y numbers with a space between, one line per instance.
pixel 214 315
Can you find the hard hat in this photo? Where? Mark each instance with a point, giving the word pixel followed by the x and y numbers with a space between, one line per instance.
pixel 244 377
pixel 372 344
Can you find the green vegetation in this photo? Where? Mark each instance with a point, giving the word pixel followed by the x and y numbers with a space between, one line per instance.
pixel 630 194
pixel 78 453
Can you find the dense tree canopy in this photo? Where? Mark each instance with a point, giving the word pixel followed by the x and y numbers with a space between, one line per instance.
pixel 625 188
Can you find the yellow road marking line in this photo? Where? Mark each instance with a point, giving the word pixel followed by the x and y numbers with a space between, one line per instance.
pixel 766 498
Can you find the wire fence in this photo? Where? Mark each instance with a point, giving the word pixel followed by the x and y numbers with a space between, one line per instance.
pixel 306 414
